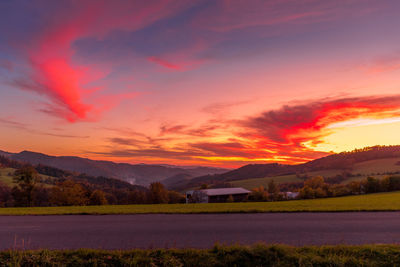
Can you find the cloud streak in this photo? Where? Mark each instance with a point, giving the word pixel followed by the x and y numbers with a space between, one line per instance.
pixel 10 123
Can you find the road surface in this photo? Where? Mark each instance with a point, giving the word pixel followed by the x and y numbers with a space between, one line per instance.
pixel 197 230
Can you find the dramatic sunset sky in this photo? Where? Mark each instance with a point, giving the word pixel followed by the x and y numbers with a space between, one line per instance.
pixel 222 83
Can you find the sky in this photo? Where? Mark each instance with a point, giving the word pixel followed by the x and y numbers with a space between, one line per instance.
pixel 201 82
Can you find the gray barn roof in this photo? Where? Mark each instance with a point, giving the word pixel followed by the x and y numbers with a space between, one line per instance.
pixel 225 191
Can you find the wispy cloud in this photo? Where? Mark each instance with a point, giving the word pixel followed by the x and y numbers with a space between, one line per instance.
pixel 386 63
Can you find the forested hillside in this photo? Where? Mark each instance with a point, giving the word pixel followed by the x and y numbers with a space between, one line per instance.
pixel 140 174
pixel 22 184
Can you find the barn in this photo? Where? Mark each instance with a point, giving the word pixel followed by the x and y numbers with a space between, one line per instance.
pixel 217 195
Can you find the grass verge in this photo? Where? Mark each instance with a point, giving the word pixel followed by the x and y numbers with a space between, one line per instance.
pixel 257 255
pixel 371 202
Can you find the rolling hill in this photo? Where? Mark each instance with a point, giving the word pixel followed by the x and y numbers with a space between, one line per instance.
pixel 140 174
pixel 357 164
pixel 45 174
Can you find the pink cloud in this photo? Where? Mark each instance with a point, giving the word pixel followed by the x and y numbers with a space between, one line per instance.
pixel 51 53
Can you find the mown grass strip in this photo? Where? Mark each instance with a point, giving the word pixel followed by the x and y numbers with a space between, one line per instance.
pixel 371 202
pixel 257 255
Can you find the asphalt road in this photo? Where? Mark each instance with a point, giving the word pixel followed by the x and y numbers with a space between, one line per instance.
pixel 197 230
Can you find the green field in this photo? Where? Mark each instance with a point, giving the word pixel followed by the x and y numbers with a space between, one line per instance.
pixel 6 176
pixel 371 202
pixel 257 255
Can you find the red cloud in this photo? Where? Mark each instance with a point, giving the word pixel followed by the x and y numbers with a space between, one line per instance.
pixel 55 74
pixel 290 126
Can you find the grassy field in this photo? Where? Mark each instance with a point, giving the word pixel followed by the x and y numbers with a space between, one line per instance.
pixel 6 176
pixel 371 202
pixel 256 182
pixel 257 255
pixel 377 166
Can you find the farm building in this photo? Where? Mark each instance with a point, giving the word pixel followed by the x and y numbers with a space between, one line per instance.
pixel 217 195
pixel 292 195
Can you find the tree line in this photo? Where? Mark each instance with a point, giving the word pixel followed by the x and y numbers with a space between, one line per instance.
pixel 317 187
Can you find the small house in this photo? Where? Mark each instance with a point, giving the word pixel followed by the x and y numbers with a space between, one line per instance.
pixel 217 195
pixel 292 195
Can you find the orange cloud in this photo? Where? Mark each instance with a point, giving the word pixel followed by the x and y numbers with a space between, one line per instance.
pixel 277 135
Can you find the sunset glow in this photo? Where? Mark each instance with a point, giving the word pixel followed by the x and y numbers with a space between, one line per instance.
pixel 221 83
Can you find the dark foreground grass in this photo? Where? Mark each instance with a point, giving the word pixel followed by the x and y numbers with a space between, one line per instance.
pixel 257 255
pixel 370 202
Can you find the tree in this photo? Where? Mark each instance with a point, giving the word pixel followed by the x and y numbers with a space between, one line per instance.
pixel 41 196
pixel 306 192
pixel 26 178
pixel 319 192
pixel 98 197
pixel 372 185
pixel 5 196
pixel 272 187
pixel 259 194
pixel 137 197
pixel 355 187
pixel 204 186
pixel 158 194
pixel 390 183
pixel 68 193
pixel 315 182
pixel 273 190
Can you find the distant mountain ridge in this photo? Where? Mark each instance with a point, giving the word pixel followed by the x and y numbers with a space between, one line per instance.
pixel 141 174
